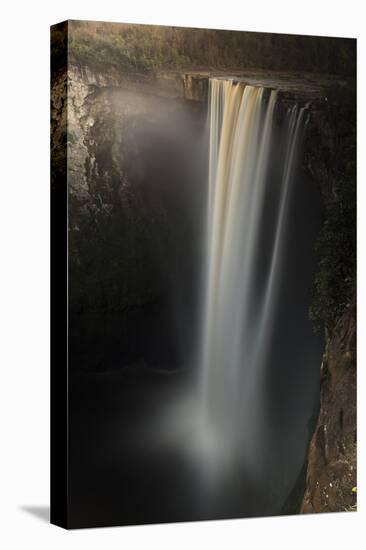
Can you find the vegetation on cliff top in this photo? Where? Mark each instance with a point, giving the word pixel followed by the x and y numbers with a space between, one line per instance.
pixel 144 48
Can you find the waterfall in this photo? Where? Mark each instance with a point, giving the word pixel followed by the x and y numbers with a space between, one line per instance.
pixel 242 270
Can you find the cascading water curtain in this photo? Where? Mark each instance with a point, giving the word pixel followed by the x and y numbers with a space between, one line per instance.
pixel 237 318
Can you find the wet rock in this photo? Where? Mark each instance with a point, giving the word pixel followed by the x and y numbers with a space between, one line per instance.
pixel 331 471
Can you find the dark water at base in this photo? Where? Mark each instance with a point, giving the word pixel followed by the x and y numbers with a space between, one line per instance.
pixel 123 471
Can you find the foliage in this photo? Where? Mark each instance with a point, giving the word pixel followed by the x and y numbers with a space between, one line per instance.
pixel 335 282
pixel 141 48
pixel 109 261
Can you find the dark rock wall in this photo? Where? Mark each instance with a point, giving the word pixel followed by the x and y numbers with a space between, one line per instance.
pixel 331 472
pixel 331 161
pixel 133 167
pixel 135 172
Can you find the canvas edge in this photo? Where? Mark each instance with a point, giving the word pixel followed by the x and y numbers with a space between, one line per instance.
pixel 59 421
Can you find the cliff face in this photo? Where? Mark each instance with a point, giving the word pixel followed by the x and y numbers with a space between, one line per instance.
pixel 127 143
pixel 331 473
pixel 330 159
pixel 134 198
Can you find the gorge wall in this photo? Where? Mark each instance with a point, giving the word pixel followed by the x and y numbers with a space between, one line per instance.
pixel 134 202
pixel 330 159
pixel 331 472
